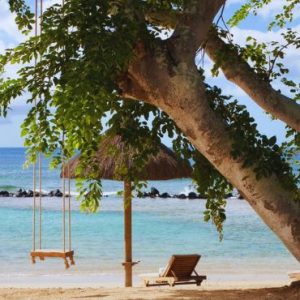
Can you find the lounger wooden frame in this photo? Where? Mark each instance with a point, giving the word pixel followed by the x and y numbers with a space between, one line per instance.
pixel 53 253
pixel 179 270
pixel 295 275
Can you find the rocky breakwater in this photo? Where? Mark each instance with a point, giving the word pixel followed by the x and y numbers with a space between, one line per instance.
pixel 154 193
pixel 22 193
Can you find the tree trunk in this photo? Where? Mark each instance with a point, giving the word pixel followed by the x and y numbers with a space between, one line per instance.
pixel 179 91
pixel 167 78
pixel 267 197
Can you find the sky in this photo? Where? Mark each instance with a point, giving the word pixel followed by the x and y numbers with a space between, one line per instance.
pixel 255 26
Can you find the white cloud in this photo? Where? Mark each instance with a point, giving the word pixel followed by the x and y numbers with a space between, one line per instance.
pixel 9 32
pixel 8 26
pixel 292 59
pixel 240 35
pixel 49 3
pixel 270 10
pixel 9 38
pixel 275 7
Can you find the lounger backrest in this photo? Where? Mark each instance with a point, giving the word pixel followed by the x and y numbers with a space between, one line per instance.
pixel 181 266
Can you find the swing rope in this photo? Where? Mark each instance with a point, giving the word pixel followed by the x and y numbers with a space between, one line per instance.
pixel 34 165
pixel 69 193
pixel 38 160
pixel 40 156
pixel 64 192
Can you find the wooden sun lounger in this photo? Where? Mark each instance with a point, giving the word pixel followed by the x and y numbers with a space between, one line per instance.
pixel 179 270
pixel 295 275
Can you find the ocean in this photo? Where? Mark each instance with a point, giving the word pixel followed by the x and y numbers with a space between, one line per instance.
pixel 161 227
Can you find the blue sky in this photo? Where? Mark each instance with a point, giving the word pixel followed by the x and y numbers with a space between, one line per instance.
pixel 253 26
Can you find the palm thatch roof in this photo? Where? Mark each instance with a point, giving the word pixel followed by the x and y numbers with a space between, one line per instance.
pixel 113 153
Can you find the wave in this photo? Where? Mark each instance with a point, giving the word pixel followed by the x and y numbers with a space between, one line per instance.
pixel 188 189
pixel 104 193
pixel 9 188
pixel 110 193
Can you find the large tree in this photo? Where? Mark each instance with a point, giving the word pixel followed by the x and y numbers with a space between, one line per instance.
pixel 107 60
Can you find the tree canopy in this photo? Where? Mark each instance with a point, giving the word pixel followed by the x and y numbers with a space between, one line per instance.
pixel 75 73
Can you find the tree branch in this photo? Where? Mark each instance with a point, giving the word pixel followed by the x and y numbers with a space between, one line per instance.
pixel 239 72
pixel 164 18
pixel 193 25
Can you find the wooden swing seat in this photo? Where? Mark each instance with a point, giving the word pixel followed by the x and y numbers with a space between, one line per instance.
pixel 53 253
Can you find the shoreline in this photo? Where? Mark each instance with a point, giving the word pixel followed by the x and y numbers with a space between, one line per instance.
pixel 116 280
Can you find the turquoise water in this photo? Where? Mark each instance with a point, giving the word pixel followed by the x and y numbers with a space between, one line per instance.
pixel 161 227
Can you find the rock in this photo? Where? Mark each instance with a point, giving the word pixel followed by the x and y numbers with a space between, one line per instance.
pixel 181 196
pixel 164 195
pixel 4 194
pixel 228 195
pixel 154 192
pixel 29 193
pixel 18 193
pixel 55 193
pixel 37 194
pixel 142 194
pixel 192 195
pixel 58 193
pixel 51 194
pixel 21 193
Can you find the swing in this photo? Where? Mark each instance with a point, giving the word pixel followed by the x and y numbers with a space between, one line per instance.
pixel 66 252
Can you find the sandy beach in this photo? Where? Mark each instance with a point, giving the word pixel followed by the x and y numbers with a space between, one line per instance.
pixel 35 288
pixel 182 292
pixel 250 263
pixel 150 150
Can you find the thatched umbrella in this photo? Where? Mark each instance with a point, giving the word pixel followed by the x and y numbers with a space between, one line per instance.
pixel 112 154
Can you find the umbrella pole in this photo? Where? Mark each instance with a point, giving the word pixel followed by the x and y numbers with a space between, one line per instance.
pixel 128 233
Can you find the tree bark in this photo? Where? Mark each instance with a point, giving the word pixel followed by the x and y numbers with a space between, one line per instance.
pixel 182 98
pixel 274 204
pixel 168 79
pixel 239 72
